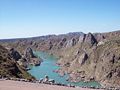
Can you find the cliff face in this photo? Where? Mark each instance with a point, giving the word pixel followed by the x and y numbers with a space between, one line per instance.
pixel 15 54
pixel 84 56
pixel 9 67
pixel 31 58
pixel 25 58
pixel 100 63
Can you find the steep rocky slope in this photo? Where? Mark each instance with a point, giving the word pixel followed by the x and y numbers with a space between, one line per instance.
pixel 25 58
pixel 9 67
pixel 99 63
pixel 84 56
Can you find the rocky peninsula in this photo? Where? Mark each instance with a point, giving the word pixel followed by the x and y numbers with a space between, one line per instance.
pixel 85 57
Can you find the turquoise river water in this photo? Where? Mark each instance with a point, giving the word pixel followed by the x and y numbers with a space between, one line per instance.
pixel 48 66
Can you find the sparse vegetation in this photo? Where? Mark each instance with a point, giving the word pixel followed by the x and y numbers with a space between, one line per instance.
pixel 102 63
pixel 9 67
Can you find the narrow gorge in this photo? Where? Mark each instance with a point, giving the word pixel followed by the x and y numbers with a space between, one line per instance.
pixel 85 57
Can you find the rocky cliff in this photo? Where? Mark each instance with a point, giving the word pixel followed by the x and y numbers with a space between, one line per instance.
pixel 92 56
pixel 100 62
pixel 25 58
pixel 31 58
pixel 9 67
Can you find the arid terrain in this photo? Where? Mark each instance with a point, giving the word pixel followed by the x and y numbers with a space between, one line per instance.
pixel 15 85
pixel 86 57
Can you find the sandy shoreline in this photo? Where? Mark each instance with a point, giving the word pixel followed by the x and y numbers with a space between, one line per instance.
pixel 19 85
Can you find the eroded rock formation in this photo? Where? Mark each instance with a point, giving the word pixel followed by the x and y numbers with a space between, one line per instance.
pixel 15 54
pixel 84 56
pixel 9 67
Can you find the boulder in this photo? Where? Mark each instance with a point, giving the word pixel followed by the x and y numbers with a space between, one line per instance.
pixel 51 81
pixel 41 80
pixel 46 79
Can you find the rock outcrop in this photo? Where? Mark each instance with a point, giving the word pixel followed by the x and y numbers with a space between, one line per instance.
pixel 9 67
pixel 31 58
pixel 15 54
pixel 62 43
pixel 89 38
pixel 35 61
pixel 83 56
pixel 29 53
pixel 82 38
pixel 101 63
pixel 71 42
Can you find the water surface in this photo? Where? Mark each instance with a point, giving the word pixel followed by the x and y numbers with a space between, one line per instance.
pixel 48 66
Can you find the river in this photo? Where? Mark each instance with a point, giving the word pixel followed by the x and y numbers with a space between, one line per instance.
pixel 48 66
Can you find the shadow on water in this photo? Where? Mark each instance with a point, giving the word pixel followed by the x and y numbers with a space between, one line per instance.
pixel 49 65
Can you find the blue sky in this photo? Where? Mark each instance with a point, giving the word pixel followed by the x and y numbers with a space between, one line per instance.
pixel 26 18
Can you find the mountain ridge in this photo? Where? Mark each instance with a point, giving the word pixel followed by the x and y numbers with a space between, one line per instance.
pixel 92 56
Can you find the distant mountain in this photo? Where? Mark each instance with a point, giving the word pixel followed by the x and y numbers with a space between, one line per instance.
pixel 43 37
pixel 87 57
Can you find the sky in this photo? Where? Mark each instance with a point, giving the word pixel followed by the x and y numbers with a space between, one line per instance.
pixel 29 18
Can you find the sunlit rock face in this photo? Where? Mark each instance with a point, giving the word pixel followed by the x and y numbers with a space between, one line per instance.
pixel 87 56
pixel 31 58
pixel 83 58
pixel 71 42
pixel 29 53
pixel 9 67
pixel 89 38
pixel 82 38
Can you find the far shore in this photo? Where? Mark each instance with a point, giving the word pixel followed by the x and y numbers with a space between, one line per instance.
pixel 19 85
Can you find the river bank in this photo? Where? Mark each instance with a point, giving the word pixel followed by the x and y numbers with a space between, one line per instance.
pixel 49 67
